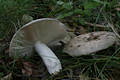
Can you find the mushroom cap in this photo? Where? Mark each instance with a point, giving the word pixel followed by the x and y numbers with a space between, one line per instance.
pixel 45 30
pixel 88 43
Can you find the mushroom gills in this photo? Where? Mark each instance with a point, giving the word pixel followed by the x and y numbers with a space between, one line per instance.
pixel 33 34
pixel 49 58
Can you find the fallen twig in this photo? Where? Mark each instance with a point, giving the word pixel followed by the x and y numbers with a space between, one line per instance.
pixel 97 25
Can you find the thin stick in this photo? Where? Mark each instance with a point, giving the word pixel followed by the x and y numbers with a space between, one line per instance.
pixel 97 25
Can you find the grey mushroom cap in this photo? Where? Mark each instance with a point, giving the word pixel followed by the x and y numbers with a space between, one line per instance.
pixel 45 30
pixel 89 43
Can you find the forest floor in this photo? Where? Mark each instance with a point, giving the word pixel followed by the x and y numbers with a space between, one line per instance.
pixel 80 16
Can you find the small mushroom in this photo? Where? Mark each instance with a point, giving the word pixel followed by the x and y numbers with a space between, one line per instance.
pixel 39 34
pixel 88 43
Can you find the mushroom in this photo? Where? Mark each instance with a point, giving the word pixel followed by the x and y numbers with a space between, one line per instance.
pixel 89 43
pixel 39 34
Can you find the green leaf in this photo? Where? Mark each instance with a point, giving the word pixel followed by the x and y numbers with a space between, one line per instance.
pixel 68 5
pixel 118 14
pixel 78 11
pixel 60 2
pixel 91 4
pixel 87 12
pixel 65 15
pixel 81 21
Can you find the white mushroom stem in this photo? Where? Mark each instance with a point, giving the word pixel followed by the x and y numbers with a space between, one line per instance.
pixel 49 58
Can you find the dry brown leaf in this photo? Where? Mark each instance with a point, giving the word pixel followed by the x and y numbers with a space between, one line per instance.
pixel 118 9
pixel 7 77
pixel 27 68
pixel 30 69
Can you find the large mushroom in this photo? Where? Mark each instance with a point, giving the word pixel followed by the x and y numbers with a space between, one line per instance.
pixel 39 34
pixel 89 43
